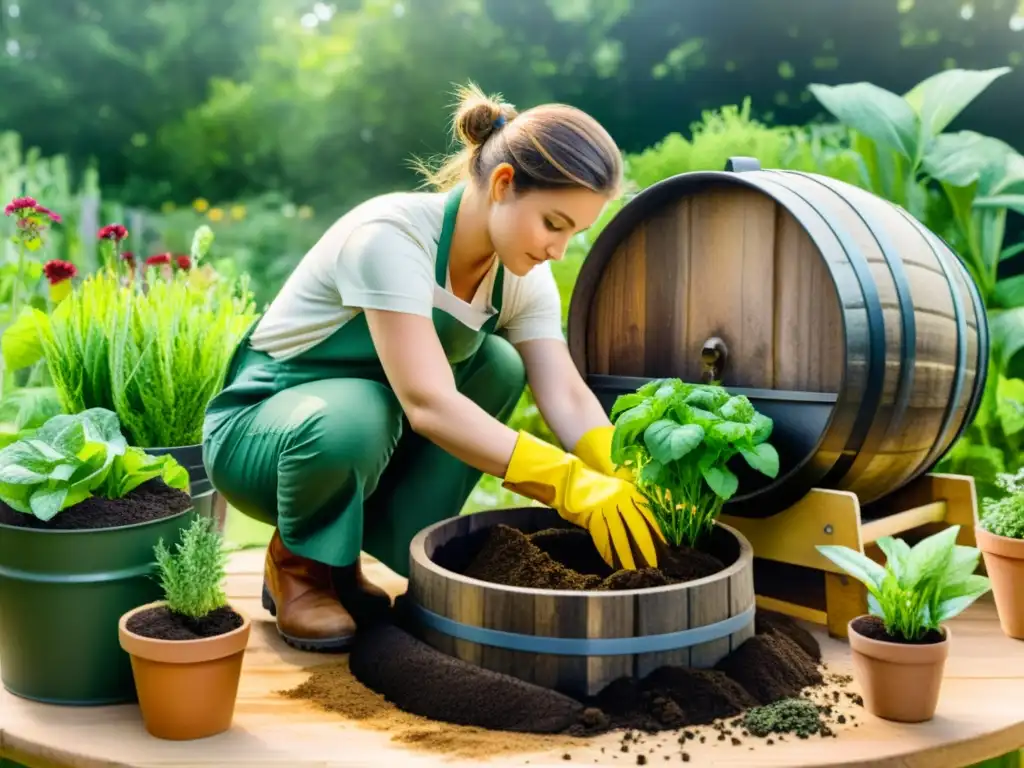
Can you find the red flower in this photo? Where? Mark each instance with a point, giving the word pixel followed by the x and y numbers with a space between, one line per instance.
pixel 114 232
pixel 58 271
pixel 129 258
pixel 47 212
pixel 183 262
pixel 20 206
pixel 160 258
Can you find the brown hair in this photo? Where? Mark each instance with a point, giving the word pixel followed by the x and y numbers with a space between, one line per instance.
pixel 548 146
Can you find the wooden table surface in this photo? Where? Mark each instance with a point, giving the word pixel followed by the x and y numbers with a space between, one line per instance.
pixel 980 716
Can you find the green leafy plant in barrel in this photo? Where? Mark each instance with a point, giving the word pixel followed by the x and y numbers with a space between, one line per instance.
pixel 679 438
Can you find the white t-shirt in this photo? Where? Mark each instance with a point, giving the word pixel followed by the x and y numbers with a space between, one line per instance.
pixel 381 255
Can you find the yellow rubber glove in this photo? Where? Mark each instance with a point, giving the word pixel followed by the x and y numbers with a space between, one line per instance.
pixel 595 448
pixel 610 508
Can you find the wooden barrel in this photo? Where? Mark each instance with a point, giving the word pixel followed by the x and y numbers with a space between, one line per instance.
pixel 855 328
pixel 575 642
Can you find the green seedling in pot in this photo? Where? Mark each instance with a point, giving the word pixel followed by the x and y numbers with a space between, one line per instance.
pixel 918 588
pixel 191 576
pixel 71 458
pixel 1004 516
pixel 679 438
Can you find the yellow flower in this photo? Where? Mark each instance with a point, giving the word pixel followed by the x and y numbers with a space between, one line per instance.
pixel 216 214
pixel 238 212
pixel 305 212
pixel 168 207
pixel 200 205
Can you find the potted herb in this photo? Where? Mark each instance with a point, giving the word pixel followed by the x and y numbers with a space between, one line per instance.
pixel 192 640
pixel 80 512
pixel 679 438
pixel 1000 536
pixel 900 646
pixel 154 351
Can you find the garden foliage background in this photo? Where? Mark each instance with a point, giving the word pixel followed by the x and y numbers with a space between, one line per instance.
pixel 268 119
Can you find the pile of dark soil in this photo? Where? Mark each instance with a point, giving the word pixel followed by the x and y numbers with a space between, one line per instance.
pixel 873 628
pixel 565 558
pixel 163 624
pixel 152 500
pixel 769 667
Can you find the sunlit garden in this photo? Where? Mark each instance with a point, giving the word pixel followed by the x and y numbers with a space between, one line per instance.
pixel 164 169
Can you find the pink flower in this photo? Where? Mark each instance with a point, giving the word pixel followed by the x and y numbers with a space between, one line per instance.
pixel 115 232
pixel 58 271
pixel 55 217
pixel 20 206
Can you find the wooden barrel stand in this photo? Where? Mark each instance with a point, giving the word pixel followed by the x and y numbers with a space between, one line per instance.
pixel 574 641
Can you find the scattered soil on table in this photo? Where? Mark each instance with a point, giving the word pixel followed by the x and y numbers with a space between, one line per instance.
pixel 873 628
pixel 162 624
pixel 422 681
pixel 333 688
pixel 152 500
pixel 566 559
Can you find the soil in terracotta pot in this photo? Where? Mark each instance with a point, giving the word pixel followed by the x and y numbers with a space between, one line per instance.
pixel 152 500
pixel 873 628
pixel 161 623
pixel 566 559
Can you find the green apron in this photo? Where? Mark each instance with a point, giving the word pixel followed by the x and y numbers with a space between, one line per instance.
pixel 317 445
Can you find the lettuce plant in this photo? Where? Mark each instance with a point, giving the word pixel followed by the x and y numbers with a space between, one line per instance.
pixel 191 577
pixel 918 588
pixel 678 438
pixel 1005 516
pixel 71 458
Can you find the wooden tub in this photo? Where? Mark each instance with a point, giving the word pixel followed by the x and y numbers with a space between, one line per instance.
pixel 573 641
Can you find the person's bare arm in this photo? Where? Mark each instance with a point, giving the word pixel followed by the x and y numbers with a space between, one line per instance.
pixel 419 373
pixel 565 401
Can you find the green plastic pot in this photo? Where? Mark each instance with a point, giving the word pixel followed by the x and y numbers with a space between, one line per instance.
pixel 62 593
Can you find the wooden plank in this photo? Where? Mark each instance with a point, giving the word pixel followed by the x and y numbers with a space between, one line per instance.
pixel 980 715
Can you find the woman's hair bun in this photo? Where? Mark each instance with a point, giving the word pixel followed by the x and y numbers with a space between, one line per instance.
pixel 479 115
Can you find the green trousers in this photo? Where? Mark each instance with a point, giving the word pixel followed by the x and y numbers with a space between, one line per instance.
pixel 334 465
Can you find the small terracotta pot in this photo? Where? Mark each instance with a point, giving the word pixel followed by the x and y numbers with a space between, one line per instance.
pixel 900 681
pixel 186 688
pixel 1004 564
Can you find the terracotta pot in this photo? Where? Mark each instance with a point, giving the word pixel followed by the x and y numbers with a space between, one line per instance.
pixel 186 688
pixel 1004 564
pixel 900 681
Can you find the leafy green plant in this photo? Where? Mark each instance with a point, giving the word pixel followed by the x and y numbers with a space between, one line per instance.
pixel 918 588
pixel 192 576
pixel 154 354
pixel 1005 516
pixel 678 438
pixel 907 157
pixel 71 458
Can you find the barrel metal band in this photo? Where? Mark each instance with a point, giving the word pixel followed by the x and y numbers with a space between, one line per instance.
pixel 893 260
pixel 961 338
pixel 135 571
pixel 873 309
pixel 584 646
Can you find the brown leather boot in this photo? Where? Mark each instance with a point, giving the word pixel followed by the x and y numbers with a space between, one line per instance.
pixel 300 593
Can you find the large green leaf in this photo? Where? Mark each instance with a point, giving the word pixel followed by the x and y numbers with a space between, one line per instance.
pixel 929 558
pixel 20 343
pixel 1010 202
pixel 1008 293
pixel 881 115
pixel 857 564
pixel 1010 405
pixel 969 158
pixel 1007 329
pixel 668 441
pixel 764 458
pixel 938 100
pixel 721 480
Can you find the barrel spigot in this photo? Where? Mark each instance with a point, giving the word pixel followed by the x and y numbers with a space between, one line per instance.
pixel 713 356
